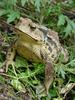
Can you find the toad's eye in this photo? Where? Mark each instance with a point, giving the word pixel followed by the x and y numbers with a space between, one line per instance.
pixel 32 27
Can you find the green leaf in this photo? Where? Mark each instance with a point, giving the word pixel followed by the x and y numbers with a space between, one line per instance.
pixel 53 92
pixel 23 2
pixel 72 63
pixel 13 2
pixel 3 12
pixel 35 82
pixel 12 16
pixel 68 30
pixel 70 70
pixel 2 79
pixel 20 62
pixel 58 98
pixel 61 57
pixel 61 20
pixel 59 68
pixel 62 72
pixel 37 4
pixel 73 26
pixel 18 85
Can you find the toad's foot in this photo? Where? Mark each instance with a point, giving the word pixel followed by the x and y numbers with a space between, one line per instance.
pixel 9 59
pixel 7 63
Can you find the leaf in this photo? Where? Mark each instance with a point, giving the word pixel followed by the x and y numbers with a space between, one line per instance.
pixel 20 62
pixel 70 70
pixel 58 98
pixel 62 72
pixel 2 79
pixel 37 4
pixel 23 2
pixel 35 82
pixel 53 92
pixel 12 16
pixel 73 26
pixel 59 68
pixel 68 30
pixel 13 2
pixel 3 12
pixel 61 20
pixel 72 63
pixel 61 57
pixel 18 85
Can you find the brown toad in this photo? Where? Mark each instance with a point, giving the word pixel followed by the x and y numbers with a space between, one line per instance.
pixel 39 44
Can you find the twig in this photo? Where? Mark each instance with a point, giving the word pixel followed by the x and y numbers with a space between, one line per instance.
pixel 3 74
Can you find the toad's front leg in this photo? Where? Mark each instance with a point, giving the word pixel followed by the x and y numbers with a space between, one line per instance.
pixel 9 58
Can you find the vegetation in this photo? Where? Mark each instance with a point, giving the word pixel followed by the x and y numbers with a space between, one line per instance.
pixel 57 15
